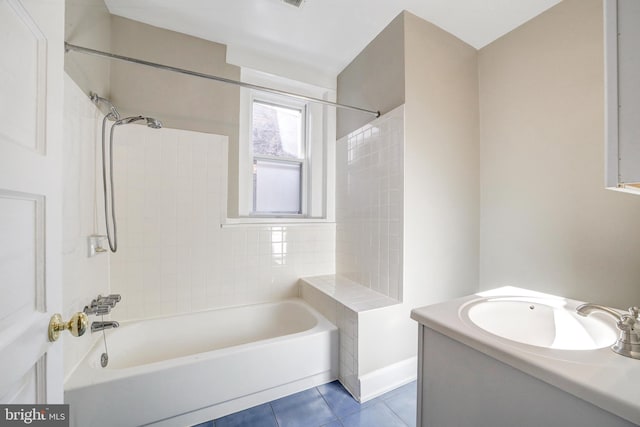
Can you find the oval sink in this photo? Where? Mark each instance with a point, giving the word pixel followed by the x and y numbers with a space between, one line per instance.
pixel 540 322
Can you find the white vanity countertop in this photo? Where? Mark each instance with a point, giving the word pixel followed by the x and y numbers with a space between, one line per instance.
pixel 600 377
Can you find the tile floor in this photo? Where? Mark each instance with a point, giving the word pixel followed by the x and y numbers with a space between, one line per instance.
pixel 328 405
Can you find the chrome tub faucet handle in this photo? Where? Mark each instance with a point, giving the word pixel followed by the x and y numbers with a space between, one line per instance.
pixel 111 300
pixel 102 305
pixel 99 310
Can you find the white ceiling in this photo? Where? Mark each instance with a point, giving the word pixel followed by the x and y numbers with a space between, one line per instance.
pixel 324 35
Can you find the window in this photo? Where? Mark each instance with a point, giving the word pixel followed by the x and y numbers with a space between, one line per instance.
pixel 283 168
pixel 278 146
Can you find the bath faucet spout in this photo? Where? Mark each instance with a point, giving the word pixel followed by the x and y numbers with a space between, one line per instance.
pixel 628 342
pixel 587 309
pixel 100 326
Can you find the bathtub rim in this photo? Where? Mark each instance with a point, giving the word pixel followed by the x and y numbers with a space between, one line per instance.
pixel 206 310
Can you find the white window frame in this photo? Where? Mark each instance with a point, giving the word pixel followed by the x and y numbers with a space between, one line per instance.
pixel 294 104
pixel 319 200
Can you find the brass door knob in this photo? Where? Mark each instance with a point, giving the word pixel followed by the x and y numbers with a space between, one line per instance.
pixel 77 325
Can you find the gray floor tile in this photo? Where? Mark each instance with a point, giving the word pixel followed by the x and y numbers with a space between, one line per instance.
pixel 339 399
pixel 410 388
pixel 404 406
pixel 258 416
pixel 304 409
pixel 378 415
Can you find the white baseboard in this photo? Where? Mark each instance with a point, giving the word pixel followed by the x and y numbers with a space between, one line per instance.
pixel 390 377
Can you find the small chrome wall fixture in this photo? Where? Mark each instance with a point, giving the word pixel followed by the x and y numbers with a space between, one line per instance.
pixel 96 242
pixel 102 305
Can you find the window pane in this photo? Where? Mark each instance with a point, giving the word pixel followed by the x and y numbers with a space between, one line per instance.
pixel 277 187
pixel 277 131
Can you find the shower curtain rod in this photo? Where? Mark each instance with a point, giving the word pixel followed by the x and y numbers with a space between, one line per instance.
pixel 70 47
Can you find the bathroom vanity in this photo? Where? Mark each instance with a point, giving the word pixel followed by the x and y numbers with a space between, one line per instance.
pixel 512 357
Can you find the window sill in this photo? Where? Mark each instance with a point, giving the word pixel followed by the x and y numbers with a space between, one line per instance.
pixel 262 221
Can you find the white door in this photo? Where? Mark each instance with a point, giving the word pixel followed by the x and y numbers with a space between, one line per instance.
pixel 31 102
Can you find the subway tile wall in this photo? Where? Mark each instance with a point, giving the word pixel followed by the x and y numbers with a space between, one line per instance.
pixel 173 254
pixel 369 204
pixel 83 277
pixel 345 318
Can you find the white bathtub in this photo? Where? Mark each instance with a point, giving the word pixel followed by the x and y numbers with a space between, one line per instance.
pixel 190 368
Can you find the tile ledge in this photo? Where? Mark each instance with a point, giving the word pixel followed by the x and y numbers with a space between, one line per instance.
pixel 349 293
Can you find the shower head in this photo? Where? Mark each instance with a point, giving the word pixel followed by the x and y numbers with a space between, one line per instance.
pixel 128 120
pixel 151 122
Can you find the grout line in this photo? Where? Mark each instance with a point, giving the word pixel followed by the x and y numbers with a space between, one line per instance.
pixel 273 412
pixel 328 406
pixel 394 413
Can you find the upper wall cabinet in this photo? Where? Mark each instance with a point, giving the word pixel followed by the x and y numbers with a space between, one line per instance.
pixel 622 94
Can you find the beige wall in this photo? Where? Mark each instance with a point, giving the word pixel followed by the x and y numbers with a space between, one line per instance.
pixel 179 101
pixel 441 190
pixel 441 166
pixel 88 23
pixel 546 221
pixel 374 79
pixel 439 86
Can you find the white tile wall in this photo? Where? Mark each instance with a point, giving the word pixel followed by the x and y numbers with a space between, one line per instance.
pixel 342 301
pixel 83 277
pixel 369 204
pixel 369 227
pixel 173 254
pixel 313 290
pixel 347 323
pixel 351 294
